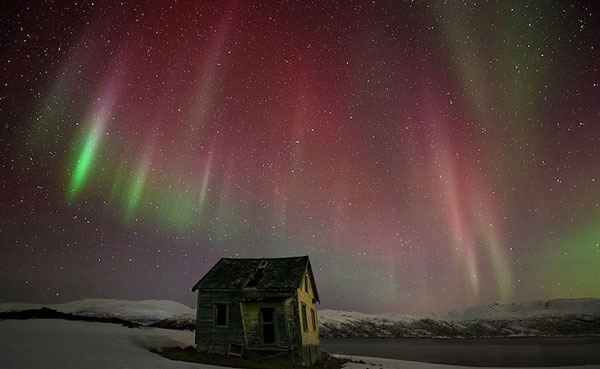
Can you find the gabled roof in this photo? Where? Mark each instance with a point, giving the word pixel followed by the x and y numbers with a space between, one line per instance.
pixel 269 274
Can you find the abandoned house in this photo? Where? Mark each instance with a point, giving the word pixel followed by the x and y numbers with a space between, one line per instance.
pixel 259 309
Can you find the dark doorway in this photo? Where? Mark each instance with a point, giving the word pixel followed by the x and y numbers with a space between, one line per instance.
pixel 221 315
pixel 268 323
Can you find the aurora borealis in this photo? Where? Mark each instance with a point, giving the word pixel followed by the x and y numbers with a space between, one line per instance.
pixel 426 155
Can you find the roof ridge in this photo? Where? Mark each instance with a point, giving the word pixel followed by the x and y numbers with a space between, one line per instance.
pixel 235 273
pixel 281 258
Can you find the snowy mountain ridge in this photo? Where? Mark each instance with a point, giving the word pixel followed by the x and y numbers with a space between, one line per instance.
pixel 540 308
pixel 551 318
pixel 142 311
pixel 547 318
pixel 559 317
pixel 497 311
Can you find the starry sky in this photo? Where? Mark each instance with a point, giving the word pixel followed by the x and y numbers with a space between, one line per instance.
pixel 426 155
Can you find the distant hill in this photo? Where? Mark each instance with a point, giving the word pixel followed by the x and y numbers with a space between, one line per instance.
pixel 142 312
pixel 549 318
pixel 45 313
pixel 543 308
pixel 182 322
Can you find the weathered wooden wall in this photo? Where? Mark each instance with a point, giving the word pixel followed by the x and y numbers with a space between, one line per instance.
pixel 244 324
pixel 253 324
pixel 214 338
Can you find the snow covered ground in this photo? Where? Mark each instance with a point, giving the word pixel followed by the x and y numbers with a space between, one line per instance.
pixel 66 344
pixel 49 344
pixel 143 311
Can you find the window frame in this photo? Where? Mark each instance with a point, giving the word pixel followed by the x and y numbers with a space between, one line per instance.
pixel 304 318
pixel 313 315
pixel 216 309
pixel 272 323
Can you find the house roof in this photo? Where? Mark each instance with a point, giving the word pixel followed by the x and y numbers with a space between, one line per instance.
pixel 262 274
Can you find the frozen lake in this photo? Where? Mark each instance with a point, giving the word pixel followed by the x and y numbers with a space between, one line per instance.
pixel 474 352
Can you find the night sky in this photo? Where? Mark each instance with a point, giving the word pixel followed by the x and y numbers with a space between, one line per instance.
pixel 427 156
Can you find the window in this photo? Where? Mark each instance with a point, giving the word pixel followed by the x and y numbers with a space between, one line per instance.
pixel 268 322
pixel 314 319
pixel 304 319
pixel 221 311
pixel 306 283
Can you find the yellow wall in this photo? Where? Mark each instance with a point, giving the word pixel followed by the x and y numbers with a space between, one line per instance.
pixel 311 337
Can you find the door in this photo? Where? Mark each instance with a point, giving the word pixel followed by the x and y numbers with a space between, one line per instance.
pixel 268 325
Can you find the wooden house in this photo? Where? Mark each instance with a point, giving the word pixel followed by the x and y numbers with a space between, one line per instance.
pixel 259 309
